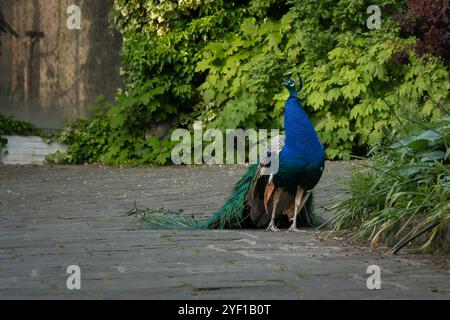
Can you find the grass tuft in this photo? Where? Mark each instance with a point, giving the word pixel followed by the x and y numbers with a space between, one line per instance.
pixel 402 195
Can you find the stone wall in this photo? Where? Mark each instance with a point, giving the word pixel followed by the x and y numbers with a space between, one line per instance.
pixel 66 70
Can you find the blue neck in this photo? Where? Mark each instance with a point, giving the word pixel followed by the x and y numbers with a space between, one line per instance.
pixel 301 138
pixel 292 92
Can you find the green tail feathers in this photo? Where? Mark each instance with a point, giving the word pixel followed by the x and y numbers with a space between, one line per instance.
pixel 230 216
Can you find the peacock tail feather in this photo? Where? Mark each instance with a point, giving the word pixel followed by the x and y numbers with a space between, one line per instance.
pixel 230 215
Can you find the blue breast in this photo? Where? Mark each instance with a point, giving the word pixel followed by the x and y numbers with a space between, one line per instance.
pixel 302 157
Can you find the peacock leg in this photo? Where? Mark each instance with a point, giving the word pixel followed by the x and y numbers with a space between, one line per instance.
pixel 300 200
pixel 276 198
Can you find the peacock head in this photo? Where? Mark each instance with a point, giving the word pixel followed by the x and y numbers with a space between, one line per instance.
pixel 290 85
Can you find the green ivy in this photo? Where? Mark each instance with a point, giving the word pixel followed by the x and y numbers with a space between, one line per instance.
pixel 222 62
pixel 113 136
pixel 11 126
pixel 352 75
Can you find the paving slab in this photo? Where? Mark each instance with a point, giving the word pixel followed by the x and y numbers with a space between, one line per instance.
pixel 56 216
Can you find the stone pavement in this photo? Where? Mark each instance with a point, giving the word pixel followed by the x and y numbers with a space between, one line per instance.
pixel 56 216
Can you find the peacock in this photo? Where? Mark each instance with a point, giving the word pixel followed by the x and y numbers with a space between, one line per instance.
pixel 266 198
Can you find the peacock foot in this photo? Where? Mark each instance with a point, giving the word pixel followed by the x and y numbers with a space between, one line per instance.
pixel 294 228
pixel 272 227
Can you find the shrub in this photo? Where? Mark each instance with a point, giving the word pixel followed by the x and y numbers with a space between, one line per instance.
pixel 222 62
pixel 405 190
pixel 11 126
pixel 428 21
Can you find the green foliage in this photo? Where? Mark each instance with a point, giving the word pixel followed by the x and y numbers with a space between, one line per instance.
pixel 162 41
pixel 116 134
pixel 87 140
pixel 57 157
pixel 405 188
pixel 11 126
pixel 350 74
pixel 222 62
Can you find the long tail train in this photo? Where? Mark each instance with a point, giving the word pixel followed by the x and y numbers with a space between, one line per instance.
pixel 231 215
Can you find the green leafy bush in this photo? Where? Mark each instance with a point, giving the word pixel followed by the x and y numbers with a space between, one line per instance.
pixel 350 73
pixel 405 190
pixel 162 43
pixel 11 126
pixel 222 62
pixel 113 136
